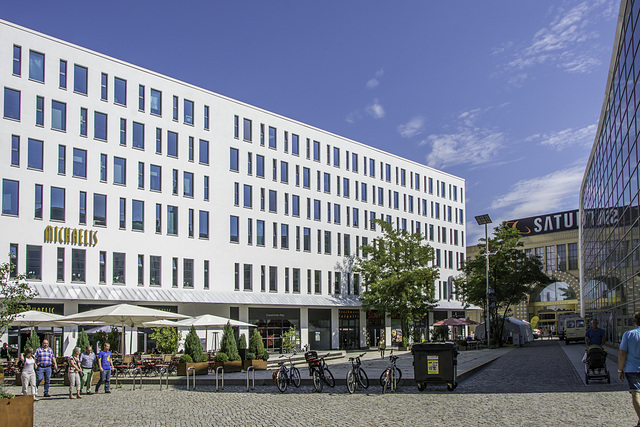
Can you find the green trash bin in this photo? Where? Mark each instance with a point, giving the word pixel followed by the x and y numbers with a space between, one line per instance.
pixel 435 363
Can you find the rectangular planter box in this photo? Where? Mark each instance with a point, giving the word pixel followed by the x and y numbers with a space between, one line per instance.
pixel 202 368
pixel 232 366
pixel 258 365
pixel 16 412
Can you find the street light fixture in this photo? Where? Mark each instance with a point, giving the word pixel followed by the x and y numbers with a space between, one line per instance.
pixel 485 220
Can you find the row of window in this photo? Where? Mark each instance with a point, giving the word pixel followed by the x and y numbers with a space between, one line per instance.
pixel 34 266
pixel 556 258
pixel 350 160
pixel 81 86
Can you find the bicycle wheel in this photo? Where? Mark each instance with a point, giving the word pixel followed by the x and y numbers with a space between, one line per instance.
pixel 281 381
pixel 317 381
pixel 398 376
pixel 386 381
pixel 351 382
pixel 295 376
pixel 328 377
pixel 363 379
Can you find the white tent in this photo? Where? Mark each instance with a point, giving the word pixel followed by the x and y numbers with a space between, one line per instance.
pixel 512 326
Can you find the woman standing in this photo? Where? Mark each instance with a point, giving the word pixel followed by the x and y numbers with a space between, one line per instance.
pixel 74 373
pixel 29 372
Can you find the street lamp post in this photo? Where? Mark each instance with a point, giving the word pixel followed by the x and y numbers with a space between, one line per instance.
pixel 485 220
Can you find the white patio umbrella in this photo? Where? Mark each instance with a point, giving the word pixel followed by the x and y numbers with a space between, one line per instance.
pixel 124 315
pixel 34 318
pixel 162 324
pixel 207 321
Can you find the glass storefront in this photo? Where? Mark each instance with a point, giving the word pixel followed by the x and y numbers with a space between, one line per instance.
pixel 375 327
pixel 319 329
pixel 272 323
pixel 349 329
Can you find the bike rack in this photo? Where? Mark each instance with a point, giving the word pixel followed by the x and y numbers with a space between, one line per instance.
pixel 250 368
pixel 165 372
pixel 220 369
pixel 136 372
pixel 191 368
pixel 115 377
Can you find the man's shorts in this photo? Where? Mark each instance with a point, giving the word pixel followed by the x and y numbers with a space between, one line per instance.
pixel 633 378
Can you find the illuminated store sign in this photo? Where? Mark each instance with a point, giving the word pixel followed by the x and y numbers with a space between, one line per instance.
pixel 72 236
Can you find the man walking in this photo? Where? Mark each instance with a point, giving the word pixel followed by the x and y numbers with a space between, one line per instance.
pixel 87 360
pixel 629 363
pixel 45 361
pixel 104 363
pixel 595 335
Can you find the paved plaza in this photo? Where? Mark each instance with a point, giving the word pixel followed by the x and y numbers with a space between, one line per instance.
pixel 536 385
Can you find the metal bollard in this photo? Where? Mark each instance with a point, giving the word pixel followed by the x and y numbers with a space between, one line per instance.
pixel 191 368
pixel 164 372
pixel 136 372
pixel 220 369
pixel 250 368
pixel 116 378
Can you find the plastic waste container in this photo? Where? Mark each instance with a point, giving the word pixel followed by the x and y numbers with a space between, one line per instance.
pixel 435 363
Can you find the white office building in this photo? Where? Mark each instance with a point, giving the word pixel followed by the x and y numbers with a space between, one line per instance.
pixel 123 185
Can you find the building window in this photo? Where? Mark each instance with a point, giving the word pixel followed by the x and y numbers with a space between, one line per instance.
pixel 34 154
pixel 120 91
pixel 11 104
pixel 15 150
pixel 204 152
pixel 187 273
pixel 100 126
pixel 172 144
pixel 138 135
pixel 155 263
pixel 83 121
pixel 284 236
pixel 188 184
pixel 158 141
pixel 100 210
pixel 259 166
pixel 78 265
pixel 236 125
pixel 234 235
pixel 34 262
pixel 203 231
pixel 317 281
pixel 158 218
pixel 17 60
pixel 36 66
pixel 60 267
pixel 284 172
pixel 80 79
pixel 247 130
pixel 248 277
pixel 141 175
pixel 206 187
pixel 119 171
pixel 156 102
pixel 273 279
pixel 123 213
pixel 102 274
pixel 191 224
pixel 39 111
pixel 137 215
pixel 573 256
pixel 103 167
pixel 206 274
pixel 191 148
pixel 62 162
pixel 141 97
pixel 118 267
pixel 57 211
pixel 82 208
pixel 206 117
pixel 58 115
pixel 188 112
pixel 248 196
pixel 174 272
pixel 316 151
pixel 272 137
pixel 155 173
pixel 233 159
pixel 259 232
pixel 104 86
pixel 10 197
pixel 175 108
pixel 172 220
pixel 295 144
pixel 140 270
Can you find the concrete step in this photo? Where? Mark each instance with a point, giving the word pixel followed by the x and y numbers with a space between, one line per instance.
pixel 298 359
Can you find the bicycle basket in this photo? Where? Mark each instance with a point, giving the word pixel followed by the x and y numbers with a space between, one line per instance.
pixel 312 358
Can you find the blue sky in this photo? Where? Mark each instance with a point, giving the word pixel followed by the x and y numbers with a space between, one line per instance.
pixel 505 94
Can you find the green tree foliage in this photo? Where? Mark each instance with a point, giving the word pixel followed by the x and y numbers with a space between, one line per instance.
pixel 256 346
pixel 14 294
pixel 83 340
pixel 397 276
pixel 228 343
pixel 167 339
pixel 193 346
pixel 290 339
pixel 33 341
pixel 513 275
pixel 112 338
pixel 242 342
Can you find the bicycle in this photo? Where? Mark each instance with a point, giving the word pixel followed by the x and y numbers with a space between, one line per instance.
pixel 319 371
pixel 356 375
pixel 286 376
pixel 391 376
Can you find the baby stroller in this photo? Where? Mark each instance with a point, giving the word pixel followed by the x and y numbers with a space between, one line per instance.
pixel 596 360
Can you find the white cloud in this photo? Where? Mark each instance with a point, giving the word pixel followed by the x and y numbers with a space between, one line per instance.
pixel 412 128
pixel 375 81
pixel 375 110
pixel 553 192
pixel 582 137
pixel 470 144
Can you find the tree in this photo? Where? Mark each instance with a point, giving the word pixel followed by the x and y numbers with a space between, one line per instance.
pixel 290 339
pixel 228 343
pixel 14 294
pixel 83 340
pixel 193 346
pixel 397 277
pixel 33 341
pixel 256 346
pixel 167 339
pixel 513 275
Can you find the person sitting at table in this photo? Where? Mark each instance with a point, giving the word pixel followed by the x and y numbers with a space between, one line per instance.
pixel 28 375
pixel 4 352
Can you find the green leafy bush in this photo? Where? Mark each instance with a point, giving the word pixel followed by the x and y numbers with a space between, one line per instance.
pixel 228 343
pixel 221 357
pixel 192 345
pixel 290 339
pixel 265 355
pixel 185 358
pixel 242 342
pixel 256 346
pixel 251 356
pixel 167 339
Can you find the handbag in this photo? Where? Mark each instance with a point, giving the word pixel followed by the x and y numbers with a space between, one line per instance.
pixel 81 375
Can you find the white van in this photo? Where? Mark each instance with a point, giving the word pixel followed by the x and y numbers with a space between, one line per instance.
pixel 574 329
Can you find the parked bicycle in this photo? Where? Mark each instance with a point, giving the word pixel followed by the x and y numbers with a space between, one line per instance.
pixel 356 375
pixel 287 375
pixel 319 371
pixel 391 376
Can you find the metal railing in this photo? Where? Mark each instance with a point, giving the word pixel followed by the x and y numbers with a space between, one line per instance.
pixel 137 372
pixel 220 369
pixel 164 372
pixel 253 384
pixel 189 369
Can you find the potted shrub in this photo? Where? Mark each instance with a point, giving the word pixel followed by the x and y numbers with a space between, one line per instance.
pixel 220 359
pixel 230 348
pixel 257 355
pixel 242 347
pixel 193 349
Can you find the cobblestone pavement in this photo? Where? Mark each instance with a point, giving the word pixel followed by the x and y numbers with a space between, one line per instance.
pixel 534 385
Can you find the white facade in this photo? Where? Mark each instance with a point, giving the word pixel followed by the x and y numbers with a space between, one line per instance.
pixel 88 269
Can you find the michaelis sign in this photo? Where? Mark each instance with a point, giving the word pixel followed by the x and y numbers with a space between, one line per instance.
pixel 543 224
pixel 71 236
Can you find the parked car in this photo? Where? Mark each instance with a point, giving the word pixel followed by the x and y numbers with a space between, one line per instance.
pixel 537 333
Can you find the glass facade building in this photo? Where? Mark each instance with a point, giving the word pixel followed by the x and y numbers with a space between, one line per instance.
pixel 609 196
